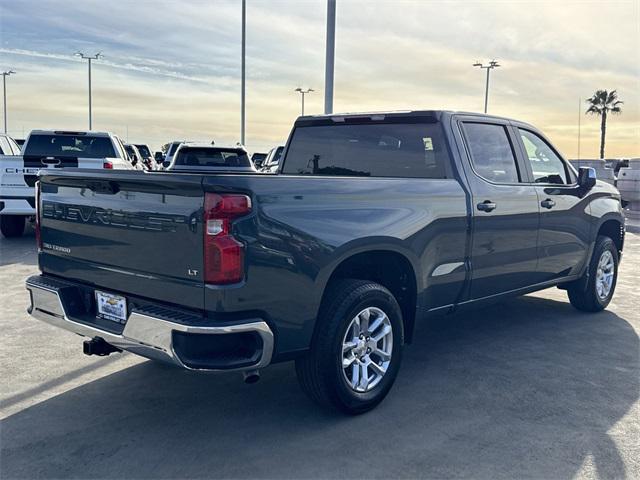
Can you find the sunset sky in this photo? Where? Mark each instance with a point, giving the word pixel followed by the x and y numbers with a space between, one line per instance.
pixel 171 70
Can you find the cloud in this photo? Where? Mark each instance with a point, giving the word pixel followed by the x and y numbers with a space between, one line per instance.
pixel 172 68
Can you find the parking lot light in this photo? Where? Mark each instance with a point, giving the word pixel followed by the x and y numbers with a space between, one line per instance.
pixel 4 92
pixel 303 93
pixel 490 66
pixel 89 58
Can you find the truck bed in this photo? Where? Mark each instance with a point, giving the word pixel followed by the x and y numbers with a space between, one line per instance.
pixel 141 234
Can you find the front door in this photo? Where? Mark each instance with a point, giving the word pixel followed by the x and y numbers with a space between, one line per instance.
pixel 564 216
pixel 505 210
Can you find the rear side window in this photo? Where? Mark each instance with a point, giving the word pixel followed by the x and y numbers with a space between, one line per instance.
pixel 212 157
pixel 491 152
pixel 369 150
pixel 84 146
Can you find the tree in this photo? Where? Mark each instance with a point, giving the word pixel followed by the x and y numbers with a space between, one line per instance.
pixel 603 103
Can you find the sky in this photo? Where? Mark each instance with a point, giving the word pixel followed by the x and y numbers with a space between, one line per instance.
pixel 171 70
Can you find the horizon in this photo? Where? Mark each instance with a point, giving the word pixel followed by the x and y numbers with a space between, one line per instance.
pixel 172 71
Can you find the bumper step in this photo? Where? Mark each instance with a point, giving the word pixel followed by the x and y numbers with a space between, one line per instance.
pixel 242 346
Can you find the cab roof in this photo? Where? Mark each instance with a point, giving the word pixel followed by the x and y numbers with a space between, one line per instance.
pixel 432 115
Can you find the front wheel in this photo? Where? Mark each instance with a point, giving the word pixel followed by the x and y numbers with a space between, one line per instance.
pixel 12 226
pixel 601 280
pixel 357 348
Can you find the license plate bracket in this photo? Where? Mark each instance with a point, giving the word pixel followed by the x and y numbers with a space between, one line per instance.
pixel 111 307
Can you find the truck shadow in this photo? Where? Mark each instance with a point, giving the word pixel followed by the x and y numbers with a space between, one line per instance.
pixel 528 388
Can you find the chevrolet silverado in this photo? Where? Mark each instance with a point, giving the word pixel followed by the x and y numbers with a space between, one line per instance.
pixel 374 222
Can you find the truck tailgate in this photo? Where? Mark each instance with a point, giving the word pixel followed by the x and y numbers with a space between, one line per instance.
pixel 132 232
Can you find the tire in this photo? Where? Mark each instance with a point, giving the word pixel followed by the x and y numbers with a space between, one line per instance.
pixel 12 226
pixel 320 371
pixel 595 296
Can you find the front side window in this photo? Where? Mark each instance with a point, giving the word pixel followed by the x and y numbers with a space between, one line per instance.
pixel 547 167
pixel 411 150
pixel 491 152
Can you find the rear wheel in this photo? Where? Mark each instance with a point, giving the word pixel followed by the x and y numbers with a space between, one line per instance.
pixel 356 351
pixel 12 226
pixel 601 281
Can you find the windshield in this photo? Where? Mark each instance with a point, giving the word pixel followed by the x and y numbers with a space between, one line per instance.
pixel 212 157
pixel 54 145
pixel 144 151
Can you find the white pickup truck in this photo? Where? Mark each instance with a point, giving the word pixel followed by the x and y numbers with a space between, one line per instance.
pixel 50 149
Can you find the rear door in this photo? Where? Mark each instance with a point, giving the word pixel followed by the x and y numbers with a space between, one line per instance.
pixel 125 231
pixel 505 209
pixel 564 213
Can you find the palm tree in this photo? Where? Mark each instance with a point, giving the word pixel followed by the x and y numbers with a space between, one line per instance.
pixel 602 103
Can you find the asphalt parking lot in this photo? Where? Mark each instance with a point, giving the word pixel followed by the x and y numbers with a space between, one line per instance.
pixel 527 388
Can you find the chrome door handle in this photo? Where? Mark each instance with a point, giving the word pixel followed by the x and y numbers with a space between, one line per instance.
pixel 486 206
pixel 548 203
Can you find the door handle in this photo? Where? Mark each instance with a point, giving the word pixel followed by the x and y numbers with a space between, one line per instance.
pixel 486 206
pixel 548 203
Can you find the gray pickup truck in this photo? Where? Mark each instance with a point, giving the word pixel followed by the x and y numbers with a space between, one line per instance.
pixel 374 222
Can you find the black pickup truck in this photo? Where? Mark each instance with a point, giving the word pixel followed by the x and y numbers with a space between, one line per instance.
pixel 373 222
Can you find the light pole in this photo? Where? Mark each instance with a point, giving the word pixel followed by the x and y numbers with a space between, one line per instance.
pixel 330 56
pixel 89 58
pixel 242 88
pixel 303 93
pixel 490 66
pixel 4 91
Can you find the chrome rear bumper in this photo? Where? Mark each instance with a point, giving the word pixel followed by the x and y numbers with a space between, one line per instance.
pixel 145 335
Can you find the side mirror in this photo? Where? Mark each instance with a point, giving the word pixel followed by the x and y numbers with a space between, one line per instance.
pixel 586 177
pixel 158 157
pixel 166 164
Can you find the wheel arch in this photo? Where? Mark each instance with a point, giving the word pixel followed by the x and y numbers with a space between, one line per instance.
pixel 612 226
pixel 390 268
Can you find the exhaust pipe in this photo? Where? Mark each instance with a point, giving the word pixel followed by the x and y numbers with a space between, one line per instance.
pixel 251 376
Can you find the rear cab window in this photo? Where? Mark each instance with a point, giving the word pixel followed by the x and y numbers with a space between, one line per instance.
pixel 64 145
pixel 212 157
pixel 407 150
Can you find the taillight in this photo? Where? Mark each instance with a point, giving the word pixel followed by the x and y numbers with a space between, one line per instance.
pixel 108 165
pixel 38 210
pixel 223 254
